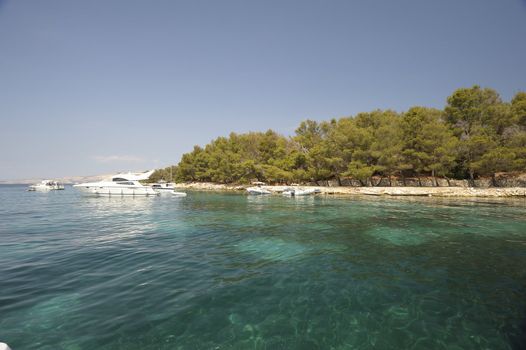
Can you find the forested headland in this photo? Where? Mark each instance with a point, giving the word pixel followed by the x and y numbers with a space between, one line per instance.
pixel 477 134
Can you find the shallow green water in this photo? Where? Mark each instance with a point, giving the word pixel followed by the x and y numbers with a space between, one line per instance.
pixel 228 271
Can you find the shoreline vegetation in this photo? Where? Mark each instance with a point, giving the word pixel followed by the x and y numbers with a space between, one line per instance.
pixel 477 141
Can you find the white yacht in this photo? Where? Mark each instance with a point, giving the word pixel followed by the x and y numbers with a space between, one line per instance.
pixel 123 184
pixel 46 185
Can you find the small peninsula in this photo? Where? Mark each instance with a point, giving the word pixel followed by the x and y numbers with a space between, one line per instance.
pixel 477 141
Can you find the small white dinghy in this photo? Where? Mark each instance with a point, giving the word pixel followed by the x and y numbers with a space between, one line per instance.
pixel 294 192
pixel 257 189
pixel 177 194
pixel 163 187
pixel 167 188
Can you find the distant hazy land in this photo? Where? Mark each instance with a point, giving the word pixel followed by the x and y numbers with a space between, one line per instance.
pixel 64 180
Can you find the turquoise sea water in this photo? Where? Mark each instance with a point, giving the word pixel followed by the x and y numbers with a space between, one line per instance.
pixel 229 271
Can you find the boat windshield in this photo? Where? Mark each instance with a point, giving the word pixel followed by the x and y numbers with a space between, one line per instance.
pixel 117 179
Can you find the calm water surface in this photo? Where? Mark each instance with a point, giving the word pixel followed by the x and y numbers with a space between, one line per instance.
pixel 228 271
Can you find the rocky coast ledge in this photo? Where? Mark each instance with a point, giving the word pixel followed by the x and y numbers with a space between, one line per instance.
pixel 453 191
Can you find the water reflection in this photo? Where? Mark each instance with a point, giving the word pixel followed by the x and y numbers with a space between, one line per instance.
pixel 115 219
pixel 104 206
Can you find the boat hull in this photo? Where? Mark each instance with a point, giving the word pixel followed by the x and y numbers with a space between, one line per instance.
pixel 164 191
pixel 118 191
pixel 39 189
pixel 299 192
pixel 258 191
pixel 45 188
pixel 178 194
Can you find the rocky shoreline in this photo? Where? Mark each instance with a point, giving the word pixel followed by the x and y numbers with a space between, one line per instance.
pixel 453 191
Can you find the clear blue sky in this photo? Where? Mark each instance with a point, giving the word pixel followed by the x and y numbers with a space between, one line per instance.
pixel 90 87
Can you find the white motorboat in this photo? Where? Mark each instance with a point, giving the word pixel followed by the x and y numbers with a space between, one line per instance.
pixel 46 185
pixel 163 187
pixel 123 184
pixel 177 194
pixel 257 189
pixel 293 192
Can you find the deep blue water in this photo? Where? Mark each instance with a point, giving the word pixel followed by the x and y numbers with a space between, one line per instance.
pixel 229 271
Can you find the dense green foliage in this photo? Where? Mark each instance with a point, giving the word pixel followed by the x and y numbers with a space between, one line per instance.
pixel 167 174
pixel 477 134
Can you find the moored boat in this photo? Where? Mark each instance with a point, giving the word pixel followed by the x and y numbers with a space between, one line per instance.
pixel 258 189
pixel 46 185
pixel 163 187
pixel 177 194
pixel 293 192
pixel 123 184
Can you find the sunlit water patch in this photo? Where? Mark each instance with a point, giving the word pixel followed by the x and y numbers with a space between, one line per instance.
pixel 230 271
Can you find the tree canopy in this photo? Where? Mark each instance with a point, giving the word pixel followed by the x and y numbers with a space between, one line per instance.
pixel 476 134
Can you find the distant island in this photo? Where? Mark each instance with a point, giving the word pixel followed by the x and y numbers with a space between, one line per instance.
pixel 476 136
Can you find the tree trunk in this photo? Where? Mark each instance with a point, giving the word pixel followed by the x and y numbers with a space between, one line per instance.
pixel 471 178
pixel 390 182
pixel 434 178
